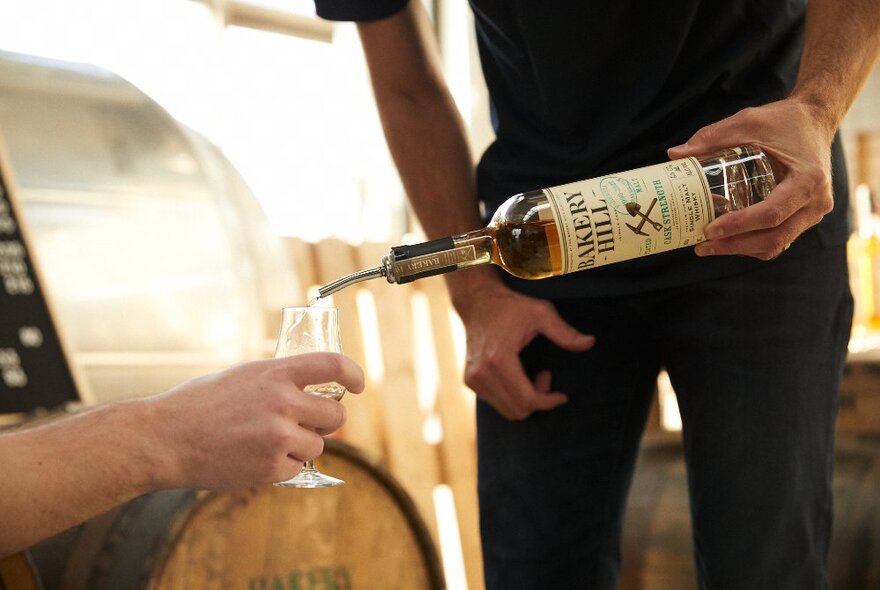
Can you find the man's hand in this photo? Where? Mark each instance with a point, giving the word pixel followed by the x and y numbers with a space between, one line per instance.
pixel 797 139
pixel 249 424
pixel 499 324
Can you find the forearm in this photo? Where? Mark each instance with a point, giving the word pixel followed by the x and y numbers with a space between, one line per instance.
pixel 841 46
pixel 422 126
pixel 250 424
pixel 62 473
pixel 424 130
pixel 427 142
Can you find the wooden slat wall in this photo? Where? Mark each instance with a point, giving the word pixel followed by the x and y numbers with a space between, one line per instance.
pixel 408 455
pixel 458 451
pixel 867 159
pixel 388 421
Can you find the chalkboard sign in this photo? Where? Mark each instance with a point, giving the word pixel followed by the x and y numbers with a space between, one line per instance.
pixel 34 371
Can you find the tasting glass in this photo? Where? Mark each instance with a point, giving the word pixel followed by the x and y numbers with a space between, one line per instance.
pixel 311 329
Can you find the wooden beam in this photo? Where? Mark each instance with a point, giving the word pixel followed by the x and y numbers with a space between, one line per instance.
pixel 283 22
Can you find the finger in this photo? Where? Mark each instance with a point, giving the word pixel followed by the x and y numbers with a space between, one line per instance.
pixel 563 334
pixel 508 389
pixel 548 401
pixel 794 204
pixel 323 367
pixel 543 381
pixel 319 414
pixel 786 200
pixel 558 331
pixel 731 131
pixel 305 445
pixel 545 398
pixel 763 244
pixel 521 406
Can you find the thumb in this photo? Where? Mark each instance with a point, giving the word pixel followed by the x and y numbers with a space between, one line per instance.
pixel 564 335
pixel 711 138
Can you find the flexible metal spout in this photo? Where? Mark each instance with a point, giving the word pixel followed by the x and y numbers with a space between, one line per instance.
pixel 355 277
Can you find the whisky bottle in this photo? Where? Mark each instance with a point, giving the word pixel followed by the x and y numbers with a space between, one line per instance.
pixel 589 223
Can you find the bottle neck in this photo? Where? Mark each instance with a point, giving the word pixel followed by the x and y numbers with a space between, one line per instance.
pixel 405 264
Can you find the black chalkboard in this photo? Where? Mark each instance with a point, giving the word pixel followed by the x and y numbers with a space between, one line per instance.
pixel 34 371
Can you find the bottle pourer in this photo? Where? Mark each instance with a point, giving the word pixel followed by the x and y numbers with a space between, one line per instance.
pixel 405 264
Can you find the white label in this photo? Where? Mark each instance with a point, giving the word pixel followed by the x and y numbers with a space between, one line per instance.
pixel 630 214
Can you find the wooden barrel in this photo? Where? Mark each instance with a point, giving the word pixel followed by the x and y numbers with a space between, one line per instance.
pixel 657 545
pixel 17 573
pixel 365 534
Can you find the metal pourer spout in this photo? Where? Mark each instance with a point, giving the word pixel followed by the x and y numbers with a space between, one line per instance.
pixel 356 277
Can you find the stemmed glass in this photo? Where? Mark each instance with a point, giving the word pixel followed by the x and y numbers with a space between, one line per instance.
pixel 311 329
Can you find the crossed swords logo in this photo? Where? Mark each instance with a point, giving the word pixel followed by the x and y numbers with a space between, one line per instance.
pixel 635 210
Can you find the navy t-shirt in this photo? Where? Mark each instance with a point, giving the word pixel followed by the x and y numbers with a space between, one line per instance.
pixel 582 88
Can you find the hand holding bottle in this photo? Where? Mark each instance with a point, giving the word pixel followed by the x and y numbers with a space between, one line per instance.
pixel 799 145
pixel 499 324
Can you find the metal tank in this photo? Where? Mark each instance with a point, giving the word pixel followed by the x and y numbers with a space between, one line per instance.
pixel 159 261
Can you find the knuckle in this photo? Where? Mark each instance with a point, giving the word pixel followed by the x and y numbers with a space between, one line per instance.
pixel 277 435
pixel 544 307
pixel 819 178
pixel 341 415
pixel 473 373
pixel 704 135
pixel 486 363
pixel 519 415
pixel 494 358
pixel 285 468
pixel 479 379
pixel 818 182
pixel 473 378
pixel 747 114
pixel 777 245
pixel 287 407
pixel 773 216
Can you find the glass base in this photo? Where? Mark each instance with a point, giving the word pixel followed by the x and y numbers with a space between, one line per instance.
pixel 310 479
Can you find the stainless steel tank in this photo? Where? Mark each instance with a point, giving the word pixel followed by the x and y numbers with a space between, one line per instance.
pixel 158 259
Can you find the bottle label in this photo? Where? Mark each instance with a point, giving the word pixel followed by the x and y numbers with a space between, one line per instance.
pixel 630 214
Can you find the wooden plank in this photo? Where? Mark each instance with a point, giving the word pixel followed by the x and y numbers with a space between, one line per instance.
pixel 333 259
pixel 458 448
pixel 283 22
pixel 410 458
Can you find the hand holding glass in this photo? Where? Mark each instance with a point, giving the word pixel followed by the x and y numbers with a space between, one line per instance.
pixel 311 329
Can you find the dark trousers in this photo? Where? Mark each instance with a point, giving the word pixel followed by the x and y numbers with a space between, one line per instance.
pixel 755 360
